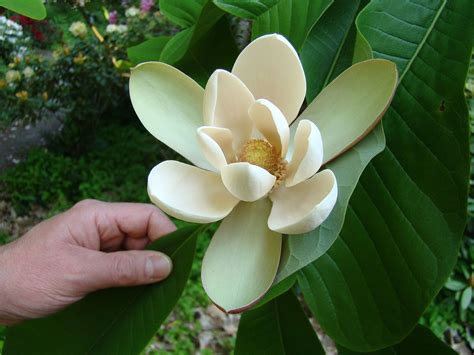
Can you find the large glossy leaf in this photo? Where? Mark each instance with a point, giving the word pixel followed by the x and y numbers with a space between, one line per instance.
pixel 179 45
pixel 324 49
pixel 277 290
pixel 292 18
pixel 246 8
pixel 406 217
pixel 215 50
pixel 420 341
pixel 183 13
pixel 150 50
pixel 115 321
pixel 277 328
pixel 204 46
pixel 34 9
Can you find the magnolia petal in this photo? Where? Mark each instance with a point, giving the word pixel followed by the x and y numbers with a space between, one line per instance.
pixel 307 154
pixel 302 208
pixel 271 69
pixel 226 104
pixel 246 181
pixel 352 105
pixel 242 259
pixel 216 144
pixel 169 105
pixel 189 193
pixel 271 123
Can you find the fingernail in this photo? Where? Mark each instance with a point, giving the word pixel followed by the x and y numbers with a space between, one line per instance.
pixel 158 267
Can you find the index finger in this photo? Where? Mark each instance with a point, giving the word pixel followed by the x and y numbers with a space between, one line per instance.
pixel 134 220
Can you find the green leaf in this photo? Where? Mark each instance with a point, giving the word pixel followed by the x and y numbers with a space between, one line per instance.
pixel 292 18
pixel 326 42
pixel 177 46
pixel 278 327
pixel 466 298
pixel 113 321
pixel 205 46
pixel 150 50
pixel 182 13
pixel 406 217
pixel 246 8
pixel 277 290
pixel 34 9
pixel 420 341
pixel 215 50
pixel 198 18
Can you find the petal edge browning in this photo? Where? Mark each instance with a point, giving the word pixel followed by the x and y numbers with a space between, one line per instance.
pixel 366 88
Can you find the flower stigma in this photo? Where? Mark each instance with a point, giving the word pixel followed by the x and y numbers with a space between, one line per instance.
pixel 261 153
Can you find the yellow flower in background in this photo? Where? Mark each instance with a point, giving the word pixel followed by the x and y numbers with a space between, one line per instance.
pixel 22 95
pixel 16 61
pixel 78 29
pixel 45 96
pixel 12 76
pixel 3 84
pixel 79 59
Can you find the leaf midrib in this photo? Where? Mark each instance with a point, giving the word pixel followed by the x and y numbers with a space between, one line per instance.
pixel 338 55
pixel 423 41
pixel 280 332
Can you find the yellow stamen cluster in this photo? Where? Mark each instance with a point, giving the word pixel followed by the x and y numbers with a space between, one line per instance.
pixel 260 152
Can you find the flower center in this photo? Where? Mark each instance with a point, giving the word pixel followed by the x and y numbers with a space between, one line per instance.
pixel 260 152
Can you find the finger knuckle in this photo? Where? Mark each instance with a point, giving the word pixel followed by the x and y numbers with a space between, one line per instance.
pixel 86 204
pixel 124 270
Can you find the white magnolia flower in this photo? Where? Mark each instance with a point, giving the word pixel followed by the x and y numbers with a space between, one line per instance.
pixel 132 11
pixel 78 29
pixel 12 76
pixel 252 169
pixel 28 72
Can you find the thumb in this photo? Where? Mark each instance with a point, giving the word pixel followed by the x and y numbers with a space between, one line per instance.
pixel 125 268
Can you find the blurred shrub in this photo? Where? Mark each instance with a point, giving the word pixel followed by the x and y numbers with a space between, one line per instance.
pixel 43 34
pixel 84 72
pixel 115 169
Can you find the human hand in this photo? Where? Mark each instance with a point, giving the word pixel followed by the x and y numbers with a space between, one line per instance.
pixel 92 246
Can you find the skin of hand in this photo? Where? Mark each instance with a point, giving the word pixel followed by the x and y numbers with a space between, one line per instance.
pixel 92 246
